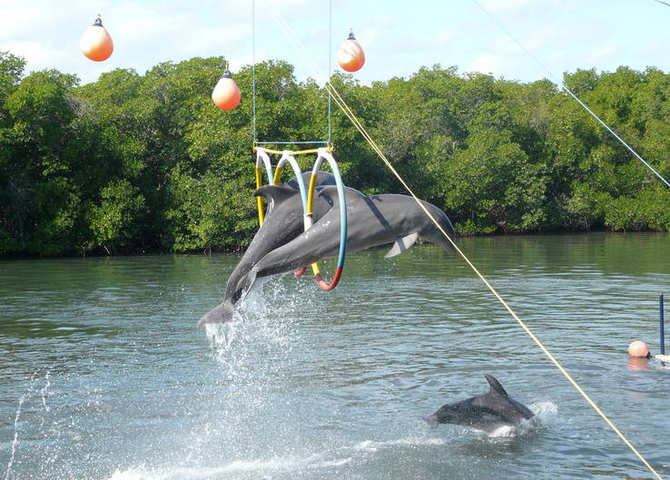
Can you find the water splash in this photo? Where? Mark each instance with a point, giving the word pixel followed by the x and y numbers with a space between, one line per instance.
pixel 17 416
pixel 45 391
pixel 263 468
pixel 15 442
pixel 412 440
pixel 543 414
pixel 264 320
pixel 544 410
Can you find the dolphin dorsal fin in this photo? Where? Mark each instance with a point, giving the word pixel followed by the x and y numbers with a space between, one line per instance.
pixel 330 193
pixel 495 386
pixel 276 193
pixel 401 244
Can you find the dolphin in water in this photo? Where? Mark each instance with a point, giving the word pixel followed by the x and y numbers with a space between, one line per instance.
pixel 372 221
pixel 486 412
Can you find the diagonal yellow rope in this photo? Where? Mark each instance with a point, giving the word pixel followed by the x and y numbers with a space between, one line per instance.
pixel 347 111
pixel 332 91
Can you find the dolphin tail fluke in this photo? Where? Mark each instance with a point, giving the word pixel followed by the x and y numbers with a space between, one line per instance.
pixel 432 421
pixel 402 244
pixel 219 314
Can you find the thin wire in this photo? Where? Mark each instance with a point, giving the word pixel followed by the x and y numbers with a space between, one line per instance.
pixel 664 3
pixel 293 152
pixel 352 117
pixel 292 143
pixel 569 92
pixel 224 40
pixel 288 32
pixel 253 67
pixel 330 62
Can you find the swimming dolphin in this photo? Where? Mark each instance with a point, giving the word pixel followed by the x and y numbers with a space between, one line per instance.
pixel 283 222
pixel 486 412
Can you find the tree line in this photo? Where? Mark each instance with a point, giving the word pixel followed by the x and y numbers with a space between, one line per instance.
pixel 137 163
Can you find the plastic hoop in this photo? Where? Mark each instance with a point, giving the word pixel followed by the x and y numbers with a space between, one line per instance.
pixel 307 200
pixel 325 155
pixel 262 158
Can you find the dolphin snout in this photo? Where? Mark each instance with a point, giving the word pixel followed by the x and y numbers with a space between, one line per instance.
pixel 223 312
pixel 432 421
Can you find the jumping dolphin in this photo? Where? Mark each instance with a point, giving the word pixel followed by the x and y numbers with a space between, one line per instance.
pixel 283 222
pixel 487 412
pixel 373 221
pixel 281 245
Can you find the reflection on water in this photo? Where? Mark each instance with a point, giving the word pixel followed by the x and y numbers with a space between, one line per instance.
pixel 104 374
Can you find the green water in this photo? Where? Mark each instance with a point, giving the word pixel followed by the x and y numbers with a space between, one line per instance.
pixel 104 375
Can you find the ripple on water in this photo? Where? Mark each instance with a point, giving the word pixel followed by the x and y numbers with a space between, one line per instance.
pixel 109 378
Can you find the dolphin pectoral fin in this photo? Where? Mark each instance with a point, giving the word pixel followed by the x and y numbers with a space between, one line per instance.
pixel 249 281
pixel 401 244
pixel 223 312
pixel 432 421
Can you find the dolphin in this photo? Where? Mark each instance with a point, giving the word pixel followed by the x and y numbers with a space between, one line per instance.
pixel 283 222
pixel 372 221
pixel 486 412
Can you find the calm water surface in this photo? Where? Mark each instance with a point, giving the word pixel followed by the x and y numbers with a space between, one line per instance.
pixel 104 375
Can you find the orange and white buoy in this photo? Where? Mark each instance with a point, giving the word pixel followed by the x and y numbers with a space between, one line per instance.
pixel 351 56
pixel 226 95
pixel 96 42
pixel 638 349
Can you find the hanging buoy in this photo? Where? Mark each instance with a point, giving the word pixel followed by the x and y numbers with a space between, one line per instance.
pixel 96 43
pixel 226 95
pixel 351 56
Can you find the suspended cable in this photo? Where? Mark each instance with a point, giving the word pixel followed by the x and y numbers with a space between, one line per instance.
pixel 569 92
pixel 330 62
pixel 664 3
pixel 315 68
pixel 290 143
pixel 356 122
pixel 253 68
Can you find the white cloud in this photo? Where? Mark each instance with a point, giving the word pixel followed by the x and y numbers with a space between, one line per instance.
pixel 42 55
pixel 487 63
pixel 505 6
pixel 397 39
pixel 23 19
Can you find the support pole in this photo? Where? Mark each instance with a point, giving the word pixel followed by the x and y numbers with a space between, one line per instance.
pixel 662 322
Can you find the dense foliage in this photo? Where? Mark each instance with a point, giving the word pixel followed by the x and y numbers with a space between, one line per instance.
pixel 134 163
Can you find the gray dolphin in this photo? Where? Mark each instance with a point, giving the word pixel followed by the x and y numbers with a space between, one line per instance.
pixel 372 221
pixel 486 412
pixel 283 222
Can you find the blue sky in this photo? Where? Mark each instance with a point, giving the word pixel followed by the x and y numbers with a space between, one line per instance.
pixel 398 36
